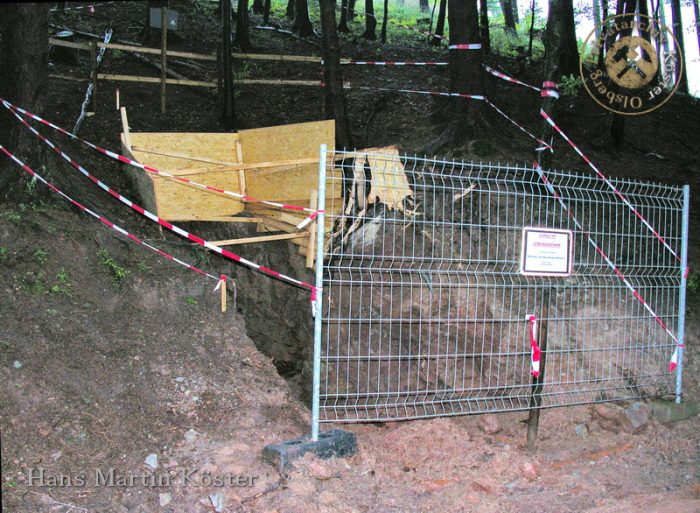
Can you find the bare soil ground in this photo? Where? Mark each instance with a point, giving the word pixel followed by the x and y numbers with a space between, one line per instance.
pixel 110 354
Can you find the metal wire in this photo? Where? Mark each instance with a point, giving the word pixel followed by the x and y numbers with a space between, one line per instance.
pixel 424 309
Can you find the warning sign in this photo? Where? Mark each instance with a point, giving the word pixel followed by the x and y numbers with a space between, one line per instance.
pixel 546 252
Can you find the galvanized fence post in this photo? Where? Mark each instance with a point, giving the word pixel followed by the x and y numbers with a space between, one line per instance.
pixel 318 319
pixel 681 298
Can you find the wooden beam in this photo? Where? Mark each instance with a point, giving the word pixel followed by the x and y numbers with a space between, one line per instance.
pixel 153 80
pixel 134 48
pixel 312 232
pixel 268 57
pixel 125 127
pixel 263 238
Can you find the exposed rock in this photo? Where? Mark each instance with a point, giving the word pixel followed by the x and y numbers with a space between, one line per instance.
pixel 489 424
pixel 152 460
pixel 164 499
pixel 530 470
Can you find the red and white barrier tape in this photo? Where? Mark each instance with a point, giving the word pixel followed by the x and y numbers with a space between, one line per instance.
pixel 153 170
pixel 674 359
pixel 394 63
pixel 175 229
pixel 609 184
pixel 466 46
pixel 103 219
pixel 508 78
pixel 543 145
pixel 414 91
pixel 535 352
pixel 549 90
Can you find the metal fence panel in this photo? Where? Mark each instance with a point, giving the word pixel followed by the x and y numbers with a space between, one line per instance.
pixel 424 309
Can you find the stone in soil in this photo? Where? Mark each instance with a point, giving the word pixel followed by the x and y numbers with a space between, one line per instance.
pixel 490 424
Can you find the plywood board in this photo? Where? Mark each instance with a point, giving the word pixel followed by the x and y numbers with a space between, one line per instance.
pixel 215 146
pixel 297 183
pixel 300 140
pixel 181 202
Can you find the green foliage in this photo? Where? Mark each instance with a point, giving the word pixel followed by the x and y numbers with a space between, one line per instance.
pixel 40 256
pixel 570 85
pixel 13 217
pixel 115 270
pixel 3 253
pixel 33 283
pixel 190 300
pixel 142 267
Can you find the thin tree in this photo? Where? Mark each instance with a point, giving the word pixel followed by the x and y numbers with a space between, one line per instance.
pixel 289 13
pixel 302 23
pixel 484 26
pixel 696 10
pixel 385 20
pixel 532 28
pixel 227 100
pixel 508 18
pixel 466 76
pixel 351 9
pixel 343 23
pixel 242 39
pixel 258 7
pixel 596 18
pixel 370 21
pixel 440 25
pixel 334 96
pixel 24 53
pixel 425 5
pixel 266 12
pixel 516 14
pixel 680 45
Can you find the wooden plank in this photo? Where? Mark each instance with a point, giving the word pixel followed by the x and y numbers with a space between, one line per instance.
pixel 262 238
pixel 269 57
pixel 312 233
pixel 153 80
pixel 277 81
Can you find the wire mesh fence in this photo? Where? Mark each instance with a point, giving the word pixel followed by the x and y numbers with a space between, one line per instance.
pixel 425 309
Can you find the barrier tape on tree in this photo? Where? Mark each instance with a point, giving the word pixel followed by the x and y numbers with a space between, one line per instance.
pixel 674 358
pixel 126 160
pixel 173 228
pixel 104 220
pixel 535 352
pixel 600 174
pixel 549 90
pixel 392 63
pixel 466 46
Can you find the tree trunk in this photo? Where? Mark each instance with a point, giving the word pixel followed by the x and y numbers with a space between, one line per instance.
pixel 532 29
pixel 290 9
pixel 258 7
pixel 334 96
pixel 425 5
pixel 680 50
pixel 242 39
pixel 508 18
pixel 343 24
pixel 516 14
pixel 227 68
pixel 24 50
pixel 302 24
pixel 266 12
pixel 370 21
pixel 385 20
pixel 351 9
pixel 466 76
pixel 596 17
pixel 440 25
pixel 569 52
pixel 484 31
pixel 696 9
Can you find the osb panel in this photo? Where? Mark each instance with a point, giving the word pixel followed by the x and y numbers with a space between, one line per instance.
pixel 389 183
pixel 181 202
pixel 213 146
pixel 286 142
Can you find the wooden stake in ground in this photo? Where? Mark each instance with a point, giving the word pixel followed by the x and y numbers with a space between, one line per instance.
pixel 163 55
pixel 533 420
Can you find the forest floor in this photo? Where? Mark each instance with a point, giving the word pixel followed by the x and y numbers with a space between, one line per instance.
pixel 110 355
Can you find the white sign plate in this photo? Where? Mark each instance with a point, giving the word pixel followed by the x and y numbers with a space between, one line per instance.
pixel 546 252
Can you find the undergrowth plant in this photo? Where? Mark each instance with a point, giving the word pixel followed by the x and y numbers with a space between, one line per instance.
pixel 115 270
